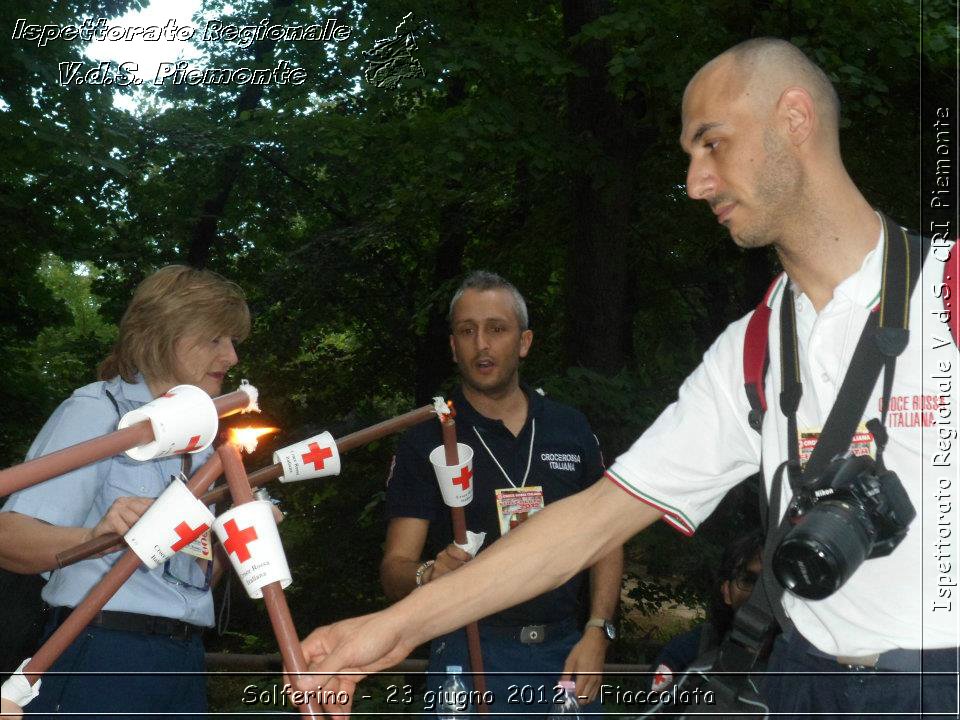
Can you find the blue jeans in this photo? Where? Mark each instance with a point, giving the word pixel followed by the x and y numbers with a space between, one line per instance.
pixel 521 678
pixel 101 651
pixel 838 692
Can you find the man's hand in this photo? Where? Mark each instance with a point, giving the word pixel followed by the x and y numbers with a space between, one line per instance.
pixel 448 560
pixel 357 646
pixel 587 656
pixel 10 709
pixel 121 516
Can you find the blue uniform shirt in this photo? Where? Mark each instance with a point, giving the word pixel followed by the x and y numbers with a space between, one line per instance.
pixel 82 497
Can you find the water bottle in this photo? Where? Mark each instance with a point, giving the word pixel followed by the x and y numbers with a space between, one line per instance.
pixel 453 703
pixel 567 706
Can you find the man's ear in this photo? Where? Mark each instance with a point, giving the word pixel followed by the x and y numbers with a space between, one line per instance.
pixel 453 349
pixel 526 340
pixel 725 593
pixel 796 108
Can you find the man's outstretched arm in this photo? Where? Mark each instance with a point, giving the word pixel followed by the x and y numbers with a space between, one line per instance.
pixel 537 556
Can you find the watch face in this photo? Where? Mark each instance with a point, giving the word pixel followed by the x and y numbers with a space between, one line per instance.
pixel 610 629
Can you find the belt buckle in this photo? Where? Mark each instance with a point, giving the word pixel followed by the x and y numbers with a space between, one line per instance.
pixel 178 630
pixel 860 663
pixel 165 627
pixel 533 634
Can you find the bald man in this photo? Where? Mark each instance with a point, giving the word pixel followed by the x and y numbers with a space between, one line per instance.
pixel 760 128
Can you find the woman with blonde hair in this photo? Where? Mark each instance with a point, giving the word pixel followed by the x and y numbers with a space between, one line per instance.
pixel 181 327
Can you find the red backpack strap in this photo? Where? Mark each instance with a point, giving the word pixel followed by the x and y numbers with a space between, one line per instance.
pixel 756 357
pixel 951 291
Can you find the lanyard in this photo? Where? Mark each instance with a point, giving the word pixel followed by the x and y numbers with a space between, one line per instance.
pixel 533 432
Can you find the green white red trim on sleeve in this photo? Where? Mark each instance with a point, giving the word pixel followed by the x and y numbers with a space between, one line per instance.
pixel 674 517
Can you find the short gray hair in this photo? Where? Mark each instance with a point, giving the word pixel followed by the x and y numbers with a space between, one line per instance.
pixel 482 280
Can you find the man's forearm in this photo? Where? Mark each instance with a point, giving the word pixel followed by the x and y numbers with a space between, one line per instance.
pixel 28 545
pixel 537 556
pixel 398 577
pixel 606 575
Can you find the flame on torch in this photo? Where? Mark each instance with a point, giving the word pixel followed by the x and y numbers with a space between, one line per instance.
pixel 444 409
pixel 247 437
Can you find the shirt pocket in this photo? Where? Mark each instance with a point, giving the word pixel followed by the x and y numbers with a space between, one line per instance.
pixel 131 478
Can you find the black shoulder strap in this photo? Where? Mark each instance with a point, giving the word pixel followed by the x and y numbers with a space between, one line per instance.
pixel 113 401
pixel 884 337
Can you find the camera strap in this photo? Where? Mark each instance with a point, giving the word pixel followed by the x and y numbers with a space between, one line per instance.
pixel 883 338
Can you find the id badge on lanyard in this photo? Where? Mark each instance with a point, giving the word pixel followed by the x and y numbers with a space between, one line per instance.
pixel 861 444
pixel 515 505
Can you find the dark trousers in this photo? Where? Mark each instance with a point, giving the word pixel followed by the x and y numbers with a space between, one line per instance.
pixel 106 652
pixel 831 691
pixel 522 678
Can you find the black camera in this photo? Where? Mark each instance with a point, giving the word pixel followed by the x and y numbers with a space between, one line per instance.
pixel 849 514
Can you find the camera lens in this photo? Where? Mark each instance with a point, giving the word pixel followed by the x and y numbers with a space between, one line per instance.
pixel 821 553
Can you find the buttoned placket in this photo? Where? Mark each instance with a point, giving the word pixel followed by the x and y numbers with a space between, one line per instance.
pixel 826 341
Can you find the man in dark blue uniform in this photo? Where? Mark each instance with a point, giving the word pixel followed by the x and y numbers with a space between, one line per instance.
pixel 528 451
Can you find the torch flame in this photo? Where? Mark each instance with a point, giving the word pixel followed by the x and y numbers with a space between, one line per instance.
pixel 444 409
pixel 247 437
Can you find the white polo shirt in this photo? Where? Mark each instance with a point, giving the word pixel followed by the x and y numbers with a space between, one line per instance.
pixel 701 446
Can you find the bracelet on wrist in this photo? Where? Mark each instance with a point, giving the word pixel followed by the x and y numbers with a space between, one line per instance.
pixel 421 571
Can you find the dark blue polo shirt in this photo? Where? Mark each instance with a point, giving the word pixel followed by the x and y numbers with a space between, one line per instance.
pixel 566 459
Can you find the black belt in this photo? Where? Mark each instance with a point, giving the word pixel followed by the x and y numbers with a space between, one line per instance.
pixel 135 622
pixel 529 634
pixel 896 660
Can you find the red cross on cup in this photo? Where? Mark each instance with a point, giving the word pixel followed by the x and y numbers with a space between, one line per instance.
pixel 317 455
pixel 192 444
pixel 463 479
pixel 187 535
pixel 455 480
pixel 237 540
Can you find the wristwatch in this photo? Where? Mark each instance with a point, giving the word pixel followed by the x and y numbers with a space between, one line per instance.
pixel 609 629
pixel 421 570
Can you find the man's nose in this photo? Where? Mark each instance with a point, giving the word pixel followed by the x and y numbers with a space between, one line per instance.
pixel 483 339
pixel 701 181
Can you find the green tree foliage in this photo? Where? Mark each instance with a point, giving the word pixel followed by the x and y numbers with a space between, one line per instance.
pixel 348 212
pixel 59 185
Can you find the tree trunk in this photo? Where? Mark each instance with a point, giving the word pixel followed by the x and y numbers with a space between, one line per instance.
pixel 432 354
pixel 598 328
pixel 433 363
pixel 228 168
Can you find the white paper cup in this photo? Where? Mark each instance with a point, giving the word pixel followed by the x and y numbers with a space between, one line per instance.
pixel 184 419
pixel 316 457
pixel 173 521
pixel 456 481
pixel 249 534
pixel 17 688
